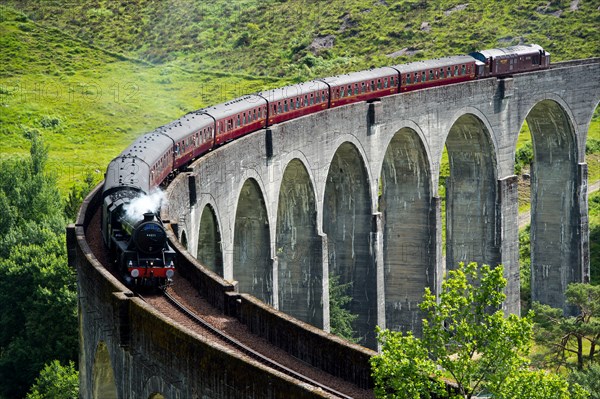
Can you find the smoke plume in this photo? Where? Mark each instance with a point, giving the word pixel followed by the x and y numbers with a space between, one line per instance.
pixel 134 211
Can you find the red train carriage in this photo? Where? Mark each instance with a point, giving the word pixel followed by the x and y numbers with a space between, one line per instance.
pixel 362 86
pixel 431 73
pixel 509 60
pixel 192 135
pixel 237 117
pixel 297 100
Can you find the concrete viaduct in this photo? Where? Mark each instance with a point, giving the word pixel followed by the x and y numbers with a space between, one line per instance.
pixel 355 192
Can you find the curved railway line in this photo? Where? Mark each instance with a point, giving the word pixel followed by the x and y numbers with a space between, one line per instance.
pixel 249 351
pixel 183 304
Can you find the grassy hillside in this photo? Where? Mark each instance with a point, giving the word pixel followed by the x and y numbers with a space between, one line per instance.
pixel 91 75
pixel 89 103
pixel 303 38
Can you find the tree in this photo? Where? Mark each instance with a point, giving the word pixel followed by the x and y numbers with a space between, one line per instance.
pixel 401 357
pixel 340 318
pixel 77 194
pixel 38 299
pixel 466 337
pixel 567 337
pixel 56 382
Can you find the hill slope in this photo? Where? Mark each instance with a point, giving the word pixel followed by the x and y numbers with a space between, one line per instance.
pixel 90 75
pixel 304 38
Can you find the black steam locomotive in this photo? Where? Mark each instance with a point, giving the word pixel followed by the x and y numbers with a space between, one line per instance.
pixel 131 226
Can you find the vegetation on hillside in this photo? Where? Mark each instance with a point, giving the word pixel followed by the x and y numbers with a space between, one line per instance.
pixel 305 38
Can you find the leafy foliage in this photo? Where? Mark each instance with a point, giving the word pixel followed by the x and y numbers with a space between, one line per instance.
pixel 539 384
pixel 340 317
pixel 76 195
pixel 403 368
pixel 523 157
pixel 588 378
pixel 594 218
pixel 467 337
pixel 525 268
pixel 38 299
pixel 477 346
pixel 564 337
pixel 56 382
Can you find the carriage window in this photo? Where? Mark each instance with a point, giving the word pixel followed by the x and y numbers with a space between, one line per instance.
pixel 431 74
pixel 298 103
pixel 372 85
pixel 323 96
pixel 238 121
pixel 356 89
pixel 285 106
pixel 379 83
pixel 455 70
pixel 279 108
pixel 312 100
pixel 385 83
pixel 424 76
pixel 392 80
pixel 463 70
pixel 406 79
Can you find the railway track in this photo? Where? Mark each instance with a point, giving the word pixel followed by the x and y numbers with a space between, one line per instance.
pixel 249 351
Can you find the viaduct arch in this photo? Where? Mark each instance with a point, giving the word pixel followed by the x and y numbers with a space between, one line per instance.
pixel 372 173
pixel 354 192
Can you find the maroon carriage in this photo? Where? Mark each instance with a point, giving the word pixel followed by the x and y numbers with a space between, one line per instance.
pixel 293 101
pixel 362 86
pixel 509 60
pixel 238 117
pixel 439 72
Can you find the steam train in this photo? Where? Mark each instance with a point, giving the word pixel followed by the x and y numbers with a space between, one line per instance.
pixel 140 246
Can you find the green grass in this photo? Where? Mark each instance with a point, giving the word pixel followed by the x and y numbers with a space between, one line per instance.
pixel 274 37
pixel 87 104
pixel 92 75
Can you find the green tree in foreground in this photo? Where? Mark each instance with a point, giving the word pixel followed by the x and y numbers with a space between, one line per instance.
pixel 38 299
pixel 467 339
pixel 56 382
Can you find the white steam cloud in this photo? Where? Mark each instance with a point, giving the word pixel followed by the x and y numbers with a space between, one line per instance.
pixel 134 211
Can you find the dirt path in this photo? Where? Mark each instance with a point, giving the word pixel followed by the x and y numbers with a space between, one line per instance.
pixel 524 217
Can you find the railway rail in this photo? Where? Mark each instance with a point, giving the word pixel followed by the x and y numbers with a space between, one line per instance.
pixel 246 350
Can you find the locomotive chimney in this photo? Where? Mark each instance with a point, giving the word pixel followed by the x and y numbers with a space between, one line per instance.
pixel 148 216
